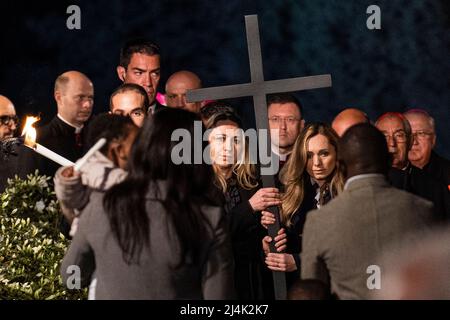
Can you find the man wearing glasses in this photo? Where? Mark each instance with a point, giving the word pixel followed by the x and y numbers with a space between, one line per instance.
pixel 285 122
pixel 421 154
pixel 403 174
pixel 8 118
pixel 20 162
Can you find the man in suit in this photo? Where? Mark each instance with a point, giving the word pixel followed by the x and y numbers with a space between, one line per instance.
pixel 342 240
pixel 421 154
pixel 74 95
pixel 15 158
pixel 403 174
pixel 140 64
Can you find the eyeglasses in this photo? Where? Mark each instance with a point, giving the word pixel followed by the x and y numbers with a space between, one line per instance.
pixel 399 136
pixel 6 120
pixel 422 135
pixel 288 120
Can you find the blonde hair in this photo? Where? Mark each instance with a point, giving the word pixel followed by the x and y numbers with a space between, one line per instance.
pixel 293 174
pixel 243 169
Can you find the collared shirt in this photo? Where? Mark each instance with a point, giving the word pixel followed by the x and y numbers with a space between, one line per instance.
pixel 361 176
pixel 77 129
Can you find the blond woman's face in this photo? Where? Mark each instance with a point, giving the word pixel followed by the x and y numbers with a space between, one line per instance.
pixel 321 156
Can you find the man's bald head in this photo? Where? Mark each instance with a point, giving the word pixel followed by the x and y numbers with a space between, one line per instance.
pixel 363 150
pixel 176 87
pixel 74 95
pixel 348 118
pixel 8 118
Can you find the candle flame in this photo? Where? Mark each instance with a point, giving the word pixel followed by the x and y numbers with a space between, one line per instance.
pixel 29 131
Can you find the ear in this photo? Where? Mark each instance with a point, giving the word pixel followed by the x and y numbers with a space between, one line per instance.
pixel 302 124
pixel 57 95
pixel 121 73
pixel 434 141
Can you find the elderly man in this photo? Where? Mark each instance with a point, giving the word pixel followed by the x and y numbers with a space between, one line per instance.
pixel 176 87
pixel 421 154
pixel 342 240
pixel 403 175
pixel 130 100
pixel 20 162
pixel 348 118
pixel 140 64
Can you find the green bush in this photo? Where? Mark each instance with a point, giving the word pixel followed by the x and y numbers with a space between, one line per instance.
pixel 31 246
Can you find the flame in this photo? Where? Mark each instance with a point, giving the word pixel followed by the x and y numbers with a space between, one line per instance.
pixel 29 131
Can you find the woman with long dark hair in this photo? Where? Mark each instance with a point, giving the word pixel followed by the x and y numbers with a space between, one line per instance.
pixel 159 234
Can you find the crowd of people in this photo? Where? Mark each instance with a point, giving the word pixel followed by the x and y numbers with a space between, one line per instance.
pixel 144 227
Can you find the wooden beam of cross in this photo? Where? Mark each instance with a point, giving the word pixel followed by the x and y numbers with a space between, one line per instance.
pixel 258 89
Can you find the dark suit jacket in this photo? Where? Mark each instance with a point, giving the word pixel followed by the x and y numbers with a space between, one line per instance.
pixel 439 168
pixel 345 237
pixel 20 164
pixel 94 248
pixel 60 138
pixel 422 184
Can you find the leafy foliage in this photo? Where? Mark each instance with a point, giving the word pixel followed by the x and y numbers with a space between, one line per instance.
pixel 31 246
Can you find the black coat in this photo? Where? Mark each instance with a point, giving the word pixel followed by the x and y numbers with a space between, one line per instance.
pixel 246 238
pixel 439 168
pixel 420 183
pixel 60 138
pixel 21 163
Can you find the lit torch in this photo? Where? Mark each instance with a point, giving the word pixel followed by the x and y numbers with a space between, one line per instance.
pixel 29 132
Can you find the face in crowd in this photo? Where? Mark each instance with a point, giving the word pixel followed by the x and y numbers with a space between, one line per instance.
pixel 144 70
pixel 130 103
pixel 74 95
pixel 225 144
pixel 285 122
pixel 397 139
pixel 321 158
pixel 8 118
pixel 176 87
pixel 424 138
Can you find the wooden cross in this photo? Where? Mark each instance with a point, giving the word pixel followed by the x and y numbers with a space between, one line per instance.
pixel 258 89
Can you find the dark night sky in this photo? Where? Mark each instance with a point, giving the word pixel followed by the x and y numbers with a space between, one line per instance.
pixel 404 65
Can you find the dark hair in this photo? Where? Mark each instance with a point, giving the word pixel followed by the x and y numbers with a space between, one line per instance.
pixel 124 87
pixel 364 148
pixel 139 45
pixel 189 187
pixel 223 115
pixel 213 107
pixel 108 126
pixel 283 98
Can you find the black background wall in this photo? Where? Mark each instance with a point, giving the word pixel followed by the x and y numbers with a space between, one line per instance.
pixel 404 65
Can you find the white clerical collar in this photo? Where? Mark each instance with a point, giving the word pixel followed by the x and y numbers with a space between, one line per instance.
pixel 361 176
pixel 282 157
pixel 77 129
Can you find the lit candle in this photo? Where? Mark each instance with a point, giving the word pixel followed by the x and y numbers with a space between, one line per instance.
pixel 30 142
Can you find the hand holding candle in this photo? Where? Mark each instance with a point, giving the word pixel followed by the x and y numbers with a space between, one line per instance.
pixel 30 141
